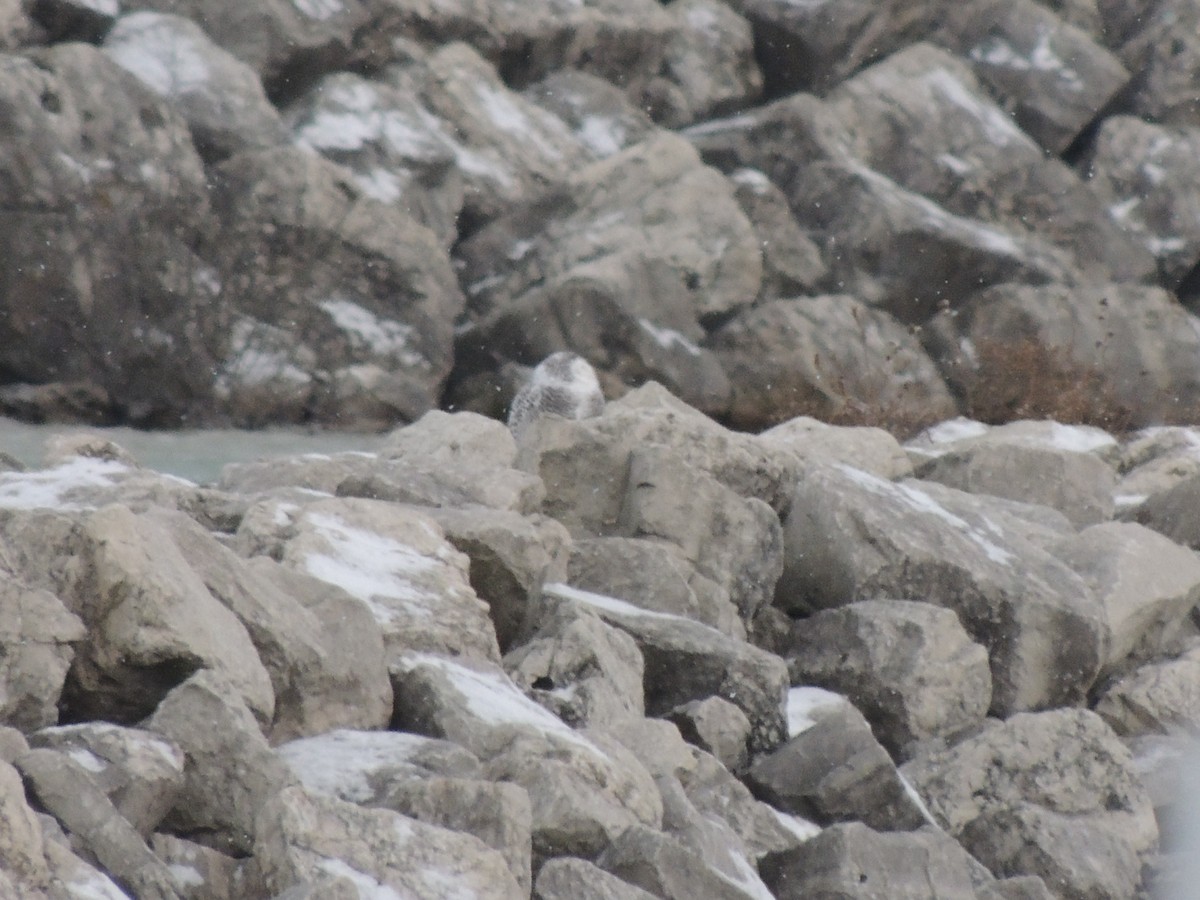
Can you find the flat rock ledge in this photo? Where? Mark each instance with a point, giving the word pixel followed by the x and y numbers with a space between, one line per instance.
pixel 632 655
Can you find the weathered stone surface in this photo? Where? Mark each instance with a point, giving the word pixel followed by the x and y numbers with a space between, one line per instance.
pixel 22 854
pixel 963 152
pixel 1052 77
pixel 853 861
pixel 275 39
pixel 909 667
pixel 709 66
pixel 36 634
pixel 1159 697
pixel 63 786
pixel 654 575
pixel 139 772
pixel 511 557
pixel 1073 857
pixel 568 878
pixel 396 561
pixel 341 308
pixel 1146 585
pixel 1087 778
pixel 868 448
pixel 1117 356
pixel 688 661
pixel 792 263
pixel 220 96
pixel 584 464
pixel 1147 174
pixel 716 725
pixel 152 623
pixel 103 173
pixel 301 835
pixel 199 871
pixel 852 536
pixel 830 357
pixel 599 114
pixel 666 867
pixel 361 766
pixel 1080 485
pixel 396 149
pixel 621 266
pixel 832 769
pixel 587 673
pixel 505 147
pixel 322 648
pixel 229 770
pixel 1159 43
pixel 583 789
pixel 933 257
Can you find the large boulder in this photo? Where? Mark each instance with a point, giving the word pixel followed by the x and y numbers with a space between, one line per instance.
pixel 341 309
pixel 220 96
pixel 584 788
pixel 103 173
pixel 829 357
pixel 1046 779
pixel 305 836
pixel 909 667
pixel 921 117
pixel 853 536
pixel 37 633
pixel 686 661
pixel 622 266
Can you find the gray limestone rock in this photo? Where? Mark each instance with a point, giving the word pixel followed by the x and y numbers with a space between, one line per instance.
pixel 396 561
pixel 570 878
pixel 1147 175
pixel 587 673
pixel 1067 767
pixel 834 770
pixel 141 773
pixel 686 661
pixel 36 634
pixel 304 836
pixel 1146 585
pixel 830 357
pixel 229 769
pixel 63 786
pixel 1080 485
pixel 584 788
pixel 1118 356
pixel 1052 77
pixel 856 863
pixel 655 575
pixel 350 319
pixel 852 536
pixel 716 725
pixel 220 96
pixel 909 667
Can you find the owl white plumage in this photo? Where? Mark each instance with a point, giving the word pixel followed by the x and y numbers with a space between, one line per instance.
pixel 562 384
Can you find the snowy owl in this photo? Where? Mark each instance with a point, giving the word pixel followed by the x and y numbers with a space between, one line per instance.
pixel 563 384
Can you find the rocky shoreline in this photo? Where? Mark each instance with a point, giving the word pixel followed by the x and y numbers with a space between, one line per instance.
pixel 632 655
pixel 730 638
pixel 346 213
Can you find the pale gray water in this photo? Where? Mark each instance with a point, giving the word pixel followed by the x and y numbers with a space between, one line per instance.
pixel 195 455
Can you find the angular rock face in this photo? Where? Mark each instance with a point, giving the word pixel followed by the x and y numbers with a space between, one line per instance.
pixel 556 659
pixel 909 667
pixel 851 536
pixel 322 706
pixel 1021 821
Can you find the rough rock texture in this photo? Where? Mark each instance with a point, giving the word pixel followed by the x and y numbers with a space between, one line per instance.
pixel 548 661
pixel 322 708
